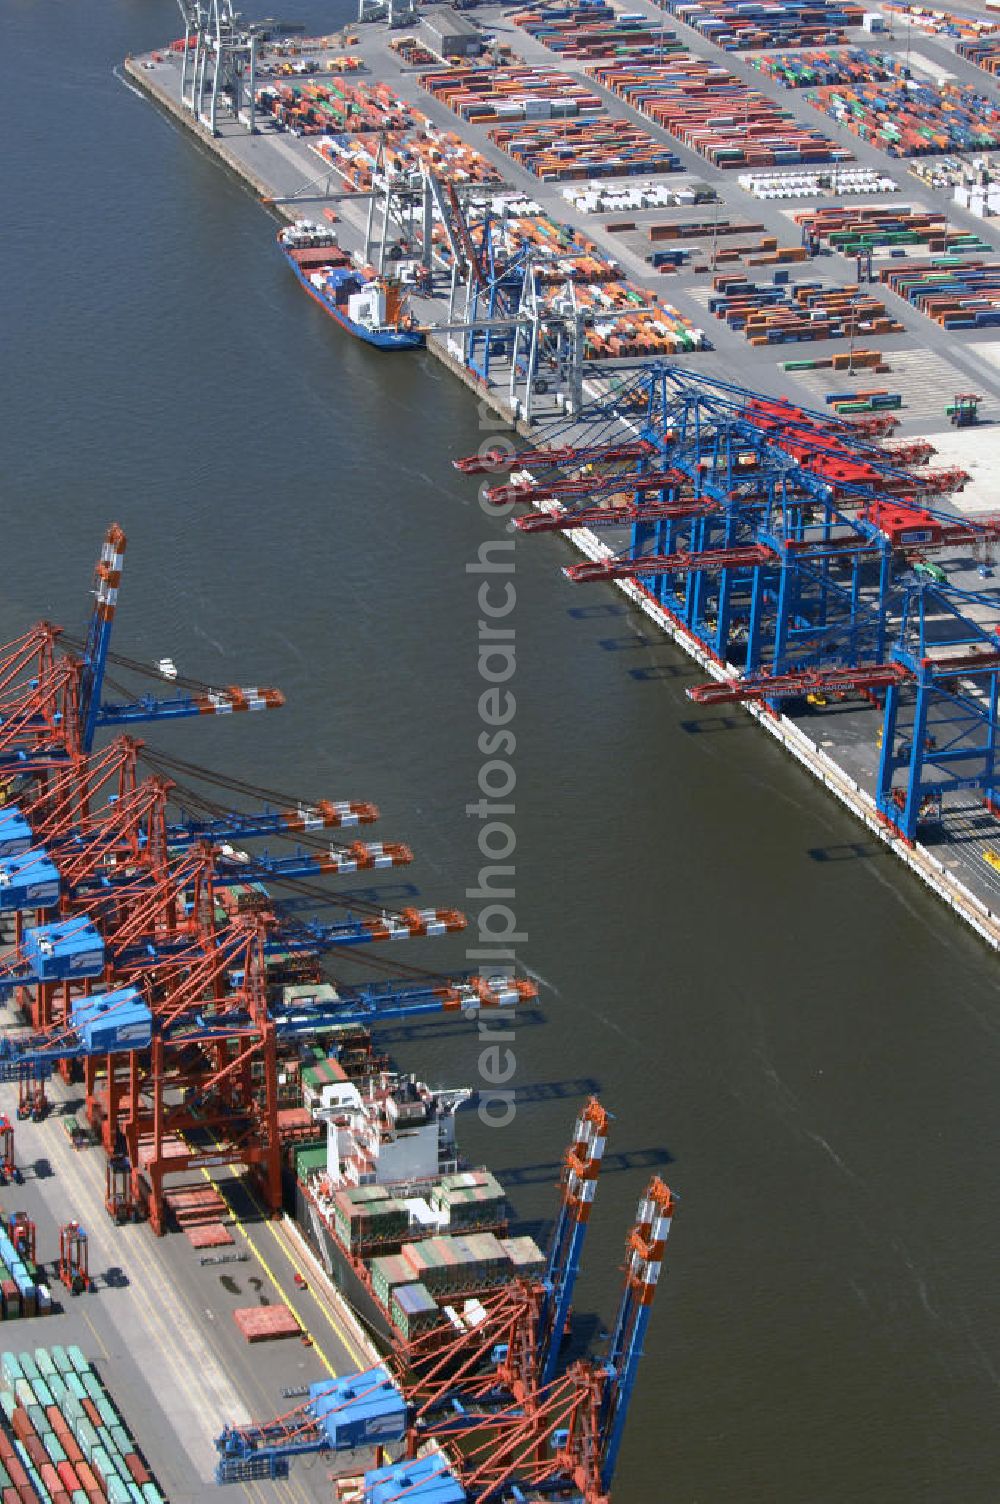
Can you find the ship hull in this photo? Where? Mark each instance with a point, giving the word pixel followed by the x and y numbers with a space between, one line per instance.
pixel 342 1272
pixel 380 339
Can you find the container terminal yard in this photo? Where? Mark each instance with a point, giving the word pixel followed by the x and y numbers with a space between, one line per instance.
pixel 805 1051
pixel 184 1057
pixel 559 194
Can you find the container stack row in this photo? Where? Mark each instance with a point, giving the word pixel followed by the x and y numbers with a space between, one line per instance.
pixel 985 54
pixel 858 229
pixel 939 22
pixel 912 119
pixel 713 113
pixel 62 1441
pixel 763 252
pixel 312 108
pixel 354 157
pixel 857 359
pixel 877 400
pixel 493 96
pixel 776 315
pixel 955 294
pixel 597 31
pixel 741 25
pixel 580 149
pixel 816 183
pixel 822 67
pixel 620 198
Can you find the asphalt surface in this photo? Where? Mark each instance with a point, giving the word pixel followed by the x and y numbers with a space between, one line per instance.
pixel 158 1324
pixel 931 364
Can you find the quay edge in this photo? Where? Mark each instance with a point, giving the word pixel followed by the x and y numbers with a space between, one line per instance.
pixel 981 919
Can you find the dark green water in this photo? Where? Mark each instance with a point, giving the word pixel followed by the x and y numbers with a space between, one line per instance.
pixel 804 1037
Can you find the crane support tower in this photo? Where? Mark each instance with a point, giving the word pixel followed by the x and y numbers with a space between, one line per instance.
pixel 581 1167
pixel 218 64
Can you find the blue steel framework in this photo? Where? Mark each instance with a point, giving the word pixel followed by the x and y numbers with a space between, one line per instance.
pixel 784 541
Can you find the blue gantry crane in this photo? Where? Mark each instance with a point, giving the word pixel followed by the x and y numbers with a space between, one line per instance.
pixel 51 687
pixel 790 546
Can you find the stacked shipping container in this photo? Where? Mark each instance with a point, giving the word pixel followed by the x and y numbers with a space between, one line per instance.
pixel 913 119
pixel 856 230
pixel 485 96
pixel 577 150
pixel 770 315
pixel 956 294
pixel 312 108
pixel 598 31
pixel 21 1294
pixel 712 112
pixel 63 1438
pixel 940 22
pixel 739 25
pixel 810 70
pixel 985 55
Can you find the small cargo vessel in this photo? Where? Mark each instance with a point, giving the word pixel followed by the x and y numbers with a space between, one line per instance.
pixel 371 309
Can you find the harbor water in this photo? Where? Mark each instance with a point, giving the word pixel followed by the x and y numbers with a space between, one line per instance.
pixel 779 1017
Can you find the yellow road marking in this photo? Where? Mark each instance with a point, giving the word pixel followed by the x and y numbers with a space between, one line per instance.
pixel 341 1331
pixel 97 1337
pixel 336 1326
pixel 262 1261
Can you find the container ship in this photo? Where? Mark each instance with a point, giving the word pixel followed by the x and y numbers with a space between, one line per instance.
pixel 372 309
pixel 408 1233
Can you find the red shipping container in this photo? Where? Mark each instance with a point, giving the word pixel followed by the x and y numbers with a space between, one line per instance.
pixel 68 1475
pixel 95 1496
pixel 136 1466
pixel 265 1323
pixel 87 1477
pixel 11 1496
pixel 22 1425
pixel 70 1446
pixel 49 1477
pixel 92 1413
pixel 36 1451
pixel 15 1467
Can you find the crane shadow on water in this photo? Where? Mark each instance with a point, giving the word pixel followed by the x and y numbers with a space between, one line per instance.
pixel 844 851
pixel 546 1172
pixel 706 724
pixel 425 1028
